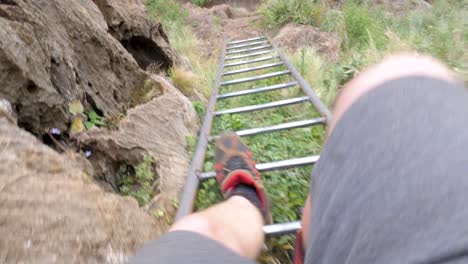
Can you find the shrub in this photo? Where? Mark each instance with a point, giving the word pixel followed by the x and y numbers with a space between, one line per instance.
pixel 138 183
pixel 184 80
pixel 200 108
pixel 333 21
pixel 362 27
pixel 200 3
pixel 276 13
pixel 165 11
pixel 184 41
pixel 438 32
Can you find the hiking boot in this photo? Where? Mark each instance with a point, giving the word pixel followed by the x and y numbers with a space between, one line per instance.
pixel 235 165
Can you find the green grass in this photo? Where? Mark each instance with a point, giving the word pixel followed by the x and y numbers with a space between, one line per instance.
pixel 167 12
pixel 185 42
pixel 276 13
pixel 362 27
pixel 200 3
pixel 439 32
pixel 287 189
pixel 138 182
pixel 184 80
pixel 367 35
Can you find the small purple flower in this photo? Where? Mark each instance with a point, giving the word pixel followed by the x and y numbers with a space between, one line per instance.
pixel 55 131
pixel 87 153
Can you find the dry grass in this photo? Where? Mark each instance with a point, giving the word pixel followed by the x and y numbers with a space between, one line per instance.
pixel 188 46
pixel 184 80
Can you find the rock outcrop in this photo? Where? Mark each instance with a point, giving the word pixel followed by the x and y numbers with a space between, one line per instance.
pixel 293 37
pixel 52 211
pixel 131 26
pixel 55 51
pixel 158 129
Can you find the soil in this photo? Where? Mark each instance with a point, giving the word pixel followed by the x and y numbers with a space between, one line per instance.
pixel 250 5
pixel 237 19
pixel 293 37
pixel 211 24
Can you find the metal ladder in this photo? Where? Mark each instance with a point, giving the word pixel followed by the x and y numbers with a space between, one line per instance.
pixel 240 53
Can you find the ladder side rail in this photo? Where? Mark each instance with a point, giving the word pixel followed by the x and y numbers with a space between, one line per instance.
pixel 191 186
pixel 314 99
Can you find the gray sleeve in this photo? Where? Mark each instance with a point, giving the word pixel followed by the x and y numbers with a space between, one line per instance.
pixel 391 185
pixel 182 247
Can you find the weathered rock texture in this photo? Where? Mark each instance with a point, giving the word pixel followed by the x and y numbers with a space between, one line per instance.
pixel 159 129
pixel 129 23
pixel 53 212
pixel 293 37
pixel 55 51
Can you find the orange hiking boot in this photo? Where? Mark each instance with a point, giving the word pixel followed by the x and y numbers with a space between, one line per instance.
pixel 235 168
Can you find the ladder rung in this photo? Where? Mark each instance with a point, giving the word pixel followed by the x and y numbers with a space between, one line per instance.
pixel 261 67
pixel 250 61
pixel 248 50
pixel 256 78
pixel 257 90
pixel 252 108
pixel 246 40
pixel 282 229
pixel 271 166
pixel 248 55
pixel 280 127
pixel 247 45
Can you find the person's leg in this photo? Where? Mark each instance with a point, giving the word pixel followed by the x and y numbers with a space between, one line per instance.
pixel 229 232
pixel 392 68
pixel 391 178
pixel 235 223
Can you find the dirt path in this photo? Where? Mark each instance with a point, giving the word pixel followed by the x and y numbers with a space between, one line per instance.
pixel 213 23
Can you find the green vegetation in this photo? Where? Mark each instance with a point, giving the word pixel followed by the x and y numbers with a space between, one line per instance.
pixel 362 27
pixel 184 80
pixel 288 188
pixel 367 33
pixel 217 21
pixel 276 13
pixel 138 183
pixel 167 12
pixel 184 41
pixel 199 108
pixel 200 2
pixel 94 120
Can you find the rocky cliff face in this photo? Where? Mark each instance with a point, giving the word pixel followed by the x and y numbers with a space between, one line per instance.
pixel 157 129
pixel 55 52
pixel 128 22
pixel 53 212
